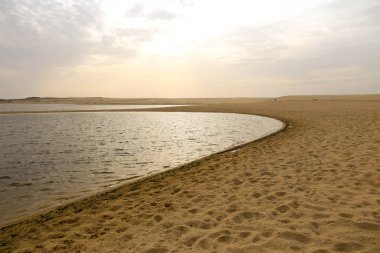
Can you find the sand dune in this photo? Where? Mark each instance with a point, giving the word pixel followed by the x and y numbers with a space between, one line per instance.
pixel 314 187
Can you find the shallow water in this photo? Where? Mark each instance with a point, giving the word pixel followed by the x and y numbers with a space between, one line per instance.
pixel 49 159
pixel 71 107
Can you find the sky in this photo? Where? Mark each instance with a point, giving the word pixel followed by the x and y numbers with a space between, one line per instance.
pixel 188 48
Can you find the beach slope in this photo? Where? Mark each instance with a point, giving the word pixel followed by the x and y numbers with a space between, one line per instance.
pixel 313 187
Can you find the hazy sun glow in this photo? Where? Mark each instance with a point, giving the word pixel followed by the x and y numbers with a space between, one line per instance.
pixel 188 48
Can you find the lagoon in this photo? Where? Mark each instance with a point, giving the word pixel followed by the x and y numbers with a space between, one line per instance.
pixel 48 159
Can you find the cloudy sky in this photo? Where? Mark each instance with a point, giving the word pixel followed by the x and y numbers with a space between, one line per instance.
pixel 188 48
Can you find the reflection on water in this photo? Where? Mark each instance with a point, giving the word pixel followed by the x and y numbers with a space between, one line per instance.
pixel 71 107
pixel 47 159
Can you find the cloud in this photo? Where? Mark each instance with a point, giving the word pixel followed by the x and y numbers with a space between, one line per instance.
pixel 119 43
pixel 216 43
pixel 346 41
pixel 322 50
pixel 36 34
pixel 162 15
pixel 138 10
pixel 338 74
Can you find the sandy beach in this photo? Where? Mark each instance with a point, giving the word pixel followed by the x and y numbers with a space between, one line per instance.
pixel 313 187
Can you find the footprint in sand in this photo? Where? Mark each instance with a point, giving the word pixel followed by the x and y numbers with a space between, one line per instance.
pixel 180 230
pixel 321 251
pixel 225 239
pixel 347 246
pixel 262 237
pixel 244 234
pixel 204 243
pixel 199 224
pixel 156 250
pixel 290 235
pixel 190 241
pixel 157 218
pixel 256 195
pixel 280 194
pixel 282 208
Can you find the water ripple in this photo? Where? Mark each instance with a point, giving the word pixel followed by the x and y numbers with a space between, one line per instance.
pixel 85 152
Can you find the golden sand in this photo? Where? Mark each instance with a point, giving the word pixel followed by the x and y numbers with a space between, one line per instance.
pixel 314 187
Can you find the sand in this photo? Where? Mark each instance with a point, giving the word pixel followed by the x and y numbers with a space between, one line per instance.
pixel 313 187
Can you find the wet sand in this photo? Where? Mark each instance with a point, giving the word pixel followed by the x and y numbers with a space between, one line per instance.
pixel 314 187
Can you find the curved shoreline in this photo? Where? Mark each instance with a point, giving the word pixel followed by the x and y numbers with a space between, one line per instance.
pixel 312 188
pixel 45 211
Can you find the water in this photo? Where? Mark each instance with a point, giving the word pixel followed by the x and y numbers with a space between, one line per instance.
pixel 48 159
pixel 71 107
